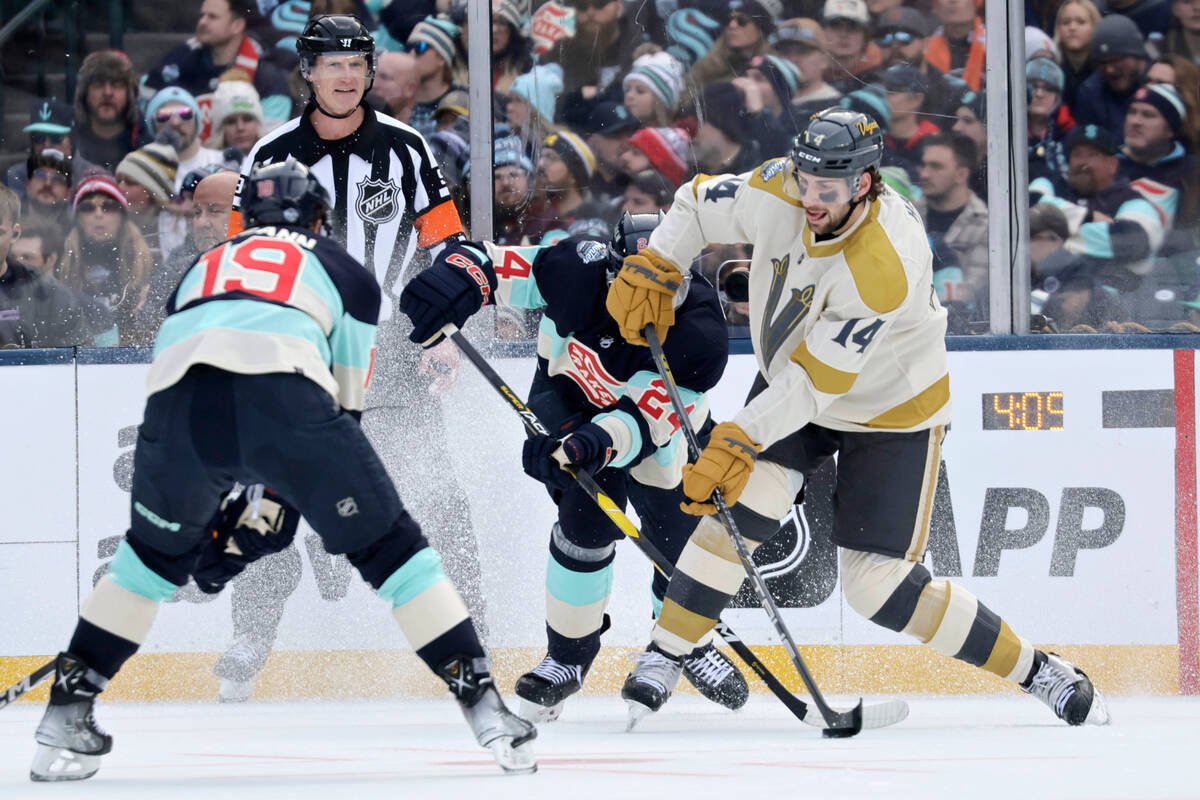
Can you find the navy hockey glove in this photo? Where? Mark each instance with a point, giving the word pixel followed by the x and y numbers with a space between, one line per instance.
pixel 239 538
pixel 453 288
pixel 544 457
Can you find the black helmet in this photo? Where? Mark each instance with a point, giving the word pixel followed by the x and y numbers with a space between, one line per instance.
pixel 283 194
pixel 838 142
pixel 335 33
pixel 631 234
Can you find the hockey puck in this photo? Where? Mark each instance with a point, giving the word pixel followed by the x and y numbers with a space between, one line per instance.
pixel 839 733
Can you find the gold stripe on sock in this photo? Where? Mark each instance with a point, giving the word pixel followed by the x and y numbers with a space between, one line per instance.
pixel 1005 652
pixel 685 624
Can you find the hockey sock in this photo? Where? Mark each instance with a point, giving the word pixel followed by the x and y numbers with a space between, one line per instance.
pixel 460 640
pixel 429 610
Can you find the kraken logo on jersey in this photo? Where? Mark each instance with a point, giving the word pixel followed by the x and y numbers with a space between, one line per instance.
pixel 776 329
pixel 377 200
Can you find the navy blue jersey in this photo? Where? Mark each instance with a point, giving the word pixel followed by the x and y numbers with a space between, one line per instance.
pixel 273 299
pixel 596 372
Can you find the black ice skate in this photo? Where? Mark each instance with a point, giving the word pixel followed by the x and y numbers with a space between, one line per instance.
pixel 716 677
pixel 69 742
pixel 239 666
pixel 495 727
pixel 545 689
pixel 1061 685
pixel 650 684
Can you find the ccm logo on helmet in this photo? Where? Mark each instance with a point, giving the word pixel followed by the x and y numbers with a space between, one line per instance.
pixel 807 156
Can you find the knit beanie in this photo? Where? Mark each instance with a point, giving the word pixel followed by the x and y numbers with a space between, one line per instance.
pixel 899 179
pixel 758 13
pixel 540 87
pixel 235 97
pixel 510 152
pixel 661 73
pixel 575 152
pixel 692 34
pixel 1165 100
pixel 1044 69
pixel 153 167
pixel 783 75
pixel 514 12
pixel 725 109
pixel 667 150
pixel 438 34
pixel 98 182
pixel 171 94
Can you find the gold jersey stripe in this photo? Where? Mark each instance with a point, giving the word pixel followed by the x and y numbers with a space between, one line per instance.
pixel 872 259
pixel 933 458
pixel 913 412
pixel 825 378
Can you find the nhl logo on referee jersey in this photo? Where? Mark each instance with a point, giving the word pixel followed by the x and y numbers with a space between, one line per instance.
pixel 377 200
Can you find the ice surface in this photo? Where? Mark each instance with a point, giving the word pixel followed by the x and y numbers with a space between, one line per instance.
pixel 1002 747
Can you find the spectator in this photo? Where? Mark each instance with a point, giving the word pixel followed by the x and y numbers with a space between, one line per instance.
pixel 902 35
pixel 511 48
pixel 1151 16
pixel 1183 34
pixel 1075 296
pixel 107 124
pixel 40 246
pixel 723 142
pixel 652 88
pixel 185 199
pixel 595 58
pixel 211 205
pixel 530 107
pixel 36 310
pixel 565 168
pixel 1153 140
pixel 802 42
pixel 906 88
pixel 1119 57
pixel 1048 121
pixel 1074 25
pixel 51 124
pixel 147 179
pixel 48 190
pixel 1048 232
pixel 648 192
pixel 609 129
pixel 397 81
pixel 959 46
pixel 434 41
pixel 512 177
pixel 106 258
pixel 665 150
pixel 952 210
pixel 452 112
pixel 1184 75
pixel 744 36
pixel 845 24
pixel 237 118
pixel 221 42
pixel 768 87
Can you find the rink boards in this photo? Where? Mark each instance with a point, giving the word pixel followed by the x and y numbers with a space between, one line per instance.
pixel 1068 504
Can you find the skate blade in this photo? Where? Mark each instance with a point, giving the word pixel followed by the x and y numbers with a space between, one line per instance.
pixel 637 713
pixel 235 691
pixel 537 713
pixel 877 715
pixel 52 764
pixel 517 760
pixel 1098 713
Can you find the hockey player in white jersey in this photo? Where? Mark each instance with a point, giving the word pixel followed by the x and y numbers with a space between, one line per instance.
pixel 849 339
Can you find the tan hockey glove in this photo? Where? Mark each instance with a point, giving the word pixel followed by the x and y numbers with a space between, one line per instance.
pixel 725 464
pixel 642 294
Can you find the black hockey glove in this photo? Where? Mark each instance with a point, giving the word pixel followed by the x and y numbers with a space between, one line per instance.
pixel 239 540
pixel 453 288
pixel 544 457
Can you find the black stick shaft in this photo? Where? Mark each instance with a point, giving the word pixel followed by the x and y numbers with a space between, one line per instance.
pixel 26 684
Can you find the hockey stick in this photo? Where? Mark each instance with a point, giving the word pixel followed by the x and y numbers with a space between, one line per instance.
pixel 534 426
pixel 27 683
pixel 839 723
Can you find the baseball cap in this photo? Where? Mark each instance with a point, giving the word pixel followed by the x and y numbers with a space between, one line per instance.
pixel 50 116
pixel 802 31
pixel 1117 35
pixel 905 77
pixel 903 18
pixel 455 101
pixel 853 10
pixel 609 119
pixel 1094 135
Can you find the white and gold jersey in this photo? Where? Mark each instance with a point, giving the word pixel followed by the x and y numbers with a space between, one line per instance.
pixel 847 331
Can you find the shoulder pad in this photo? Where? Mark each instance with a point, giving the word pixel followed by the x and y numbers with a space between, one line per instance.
pixel 772 177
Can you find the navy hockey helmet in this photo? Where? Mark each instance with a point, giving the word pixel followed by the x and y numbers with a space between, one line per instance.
pixel 838 142
pixel 335 33
pixel 631 233
pixel 286 193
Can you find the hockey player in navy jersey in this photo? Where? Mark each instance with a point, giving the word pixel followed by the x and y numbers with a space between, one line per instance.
pixel 259 375
pixel 612 417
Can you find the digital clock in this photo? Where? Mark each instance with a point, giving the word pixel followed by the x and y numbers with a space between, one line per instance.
pixel 1023 411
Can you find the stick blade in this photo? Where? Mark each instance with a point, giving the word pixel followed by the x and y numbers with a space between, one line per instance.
pixel 876 715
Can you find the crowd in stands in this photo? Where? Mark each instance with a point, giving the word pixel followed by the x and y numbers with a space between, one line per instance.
pixel 605 106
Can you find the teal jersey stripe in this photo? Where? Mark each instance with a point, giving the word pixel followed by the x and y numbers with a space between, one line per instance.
pixel 413 577
pixel 251 316
pixel 128 571
pixel 352 340
pixel 578 588
pixel 558 345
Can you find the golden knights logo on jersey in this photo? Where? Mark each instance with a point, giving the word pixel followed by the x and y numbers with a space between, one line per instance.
pixel 377 200
pixel 776 329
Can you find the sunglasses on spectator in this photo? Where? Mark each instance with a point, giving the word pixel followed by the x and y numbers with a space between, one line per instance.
pixel 895 37
pixel 185 114
pixel 107 206
pixel 52 175
pixel 740 19
pixel 43 138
